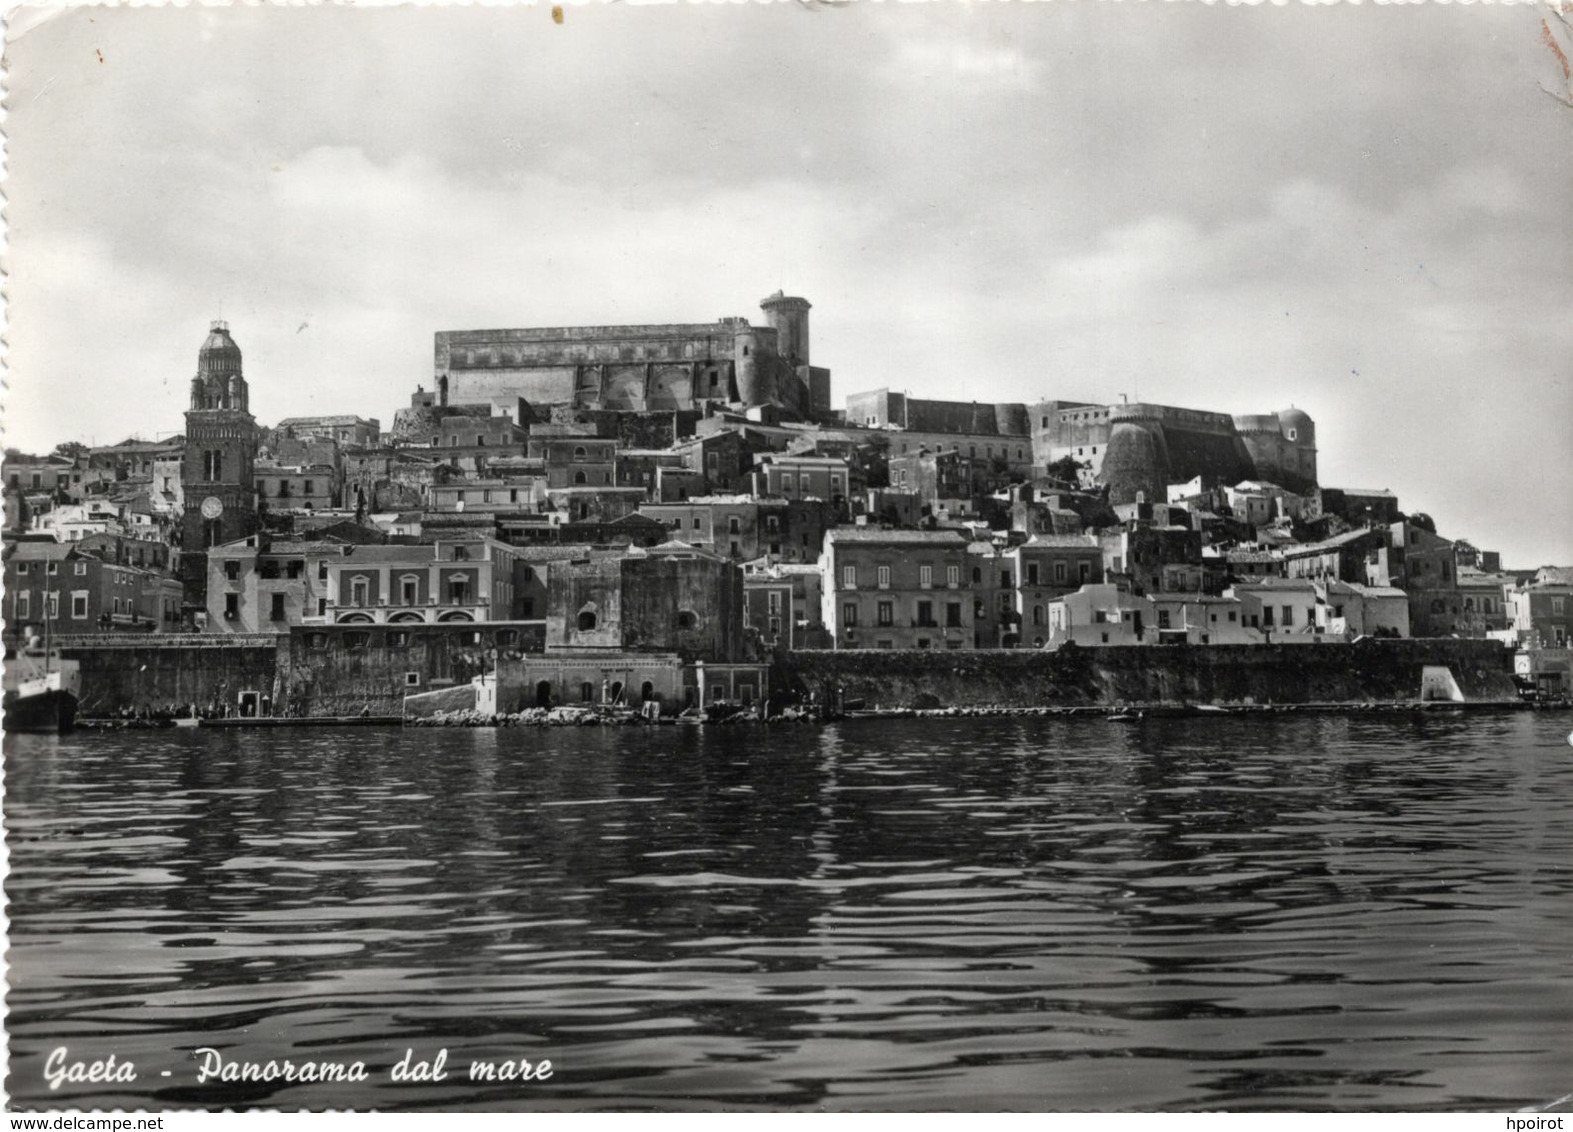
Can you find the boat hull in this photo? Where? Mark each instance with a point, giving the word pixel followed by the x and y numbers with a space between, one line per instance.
pixel 51 711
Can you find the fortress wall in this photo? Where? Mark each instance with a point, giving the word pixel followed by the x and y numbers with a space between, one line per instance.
pixel 539 385
pixel 1194 420
pixel 572 345
pixel 1212 455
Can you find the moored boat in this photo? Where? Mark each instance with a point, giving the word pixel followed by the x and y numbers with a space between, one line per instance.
pixel 41 691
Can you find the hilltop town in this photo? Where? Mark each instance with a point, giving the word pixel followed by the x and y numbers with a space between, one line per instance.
pixel 658 513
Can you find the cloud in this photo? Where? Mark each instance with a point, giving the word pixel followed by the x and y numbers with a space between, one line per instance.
pixel 1353 209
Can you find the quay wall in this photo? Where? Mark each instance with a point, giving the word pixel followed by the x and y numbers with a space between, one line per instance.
pixel 158 672
pixel 1369 671
pixel 346 670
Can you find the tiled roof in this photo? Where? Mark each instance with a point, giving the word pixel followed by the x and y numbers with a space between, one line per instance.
pixel 1067 542
pixel 913 538
pixel 38 550
pixel 1296 584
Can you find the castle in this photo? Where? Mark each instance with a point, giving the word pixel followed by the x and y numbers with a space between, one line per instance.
pixel 1130 447
pixel 683 366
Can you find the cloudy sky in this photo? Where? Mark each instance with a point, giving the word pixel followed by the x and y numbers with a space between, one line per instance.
pixel 1364 211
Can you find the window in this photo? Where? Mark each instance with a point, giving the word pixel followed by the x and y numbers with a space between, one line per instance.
pixel 1032 573
pixel 79 569
pixel 849 614
pixel 849 577
pixel 232 570
pixel 1163 618
pixel 580 452
pixel 887 611
pixel 322 607
pixel 231 606
pixel 587 693
pixel 925 613
pixel 882 576
pixel 1004 579
pixel 52 569
pixel 1557 607
pixel 322 570
pixel 79 606
pixel 52 607
pixel 953 614
pixel 686 619
pixel 309 489
pixel 1059 572
pixel 1288 616
pixel 358 590
pixel 923 642
pixel 586 621
pixel 24 605
pixel 773 601
pixel 399 639
pixel 412 679
pixel 409 589
pixel 317 640
pixel 733 526
pixel 21 567
pixel 1084 571
pixel 695 524
pixel 277 613
pixel 926 576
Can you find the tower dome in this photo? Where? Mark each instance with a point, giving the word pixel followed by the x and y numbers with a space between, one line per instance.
pixel 219 383
pixel 219 356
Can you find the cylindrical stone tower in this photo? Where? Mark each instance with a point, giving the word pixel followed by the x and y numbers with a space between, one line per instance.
pixel 788 314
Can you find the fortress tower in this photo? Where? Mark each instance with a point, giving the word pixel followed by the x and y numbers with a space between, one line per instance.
pixel 789 316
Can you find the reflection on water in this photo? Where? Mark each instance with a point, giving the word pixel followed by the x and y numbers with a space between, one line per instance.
pixel 1298 912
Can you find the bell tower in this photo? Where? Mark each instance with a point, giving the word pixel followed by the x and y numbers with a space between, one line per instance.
pixel 221 450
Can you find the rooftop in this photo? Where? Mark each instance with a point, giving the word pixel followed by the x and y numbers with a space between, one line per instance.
pixel 877 535
pixel 1065 542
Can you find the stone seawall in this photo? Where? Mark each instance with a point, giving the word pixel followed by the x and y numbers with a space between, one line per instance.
pixel 1369 671
pixel 302 677
pixel 156 674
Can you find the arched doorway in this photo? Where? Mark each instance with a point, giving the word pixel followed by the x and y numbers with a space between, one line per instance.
pixel 646 692
pixel 543 694
pixel 616 692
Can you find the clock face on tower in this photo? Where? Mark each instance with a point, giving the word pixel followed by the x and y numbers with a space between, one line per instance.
pixel 212 507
